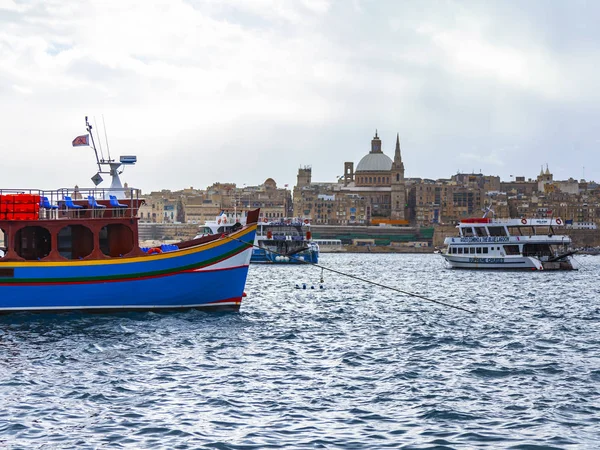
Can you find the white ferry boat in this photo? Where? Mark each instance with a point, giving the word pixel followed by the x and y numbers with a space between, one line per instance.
pixel 223 223
pixel 486 243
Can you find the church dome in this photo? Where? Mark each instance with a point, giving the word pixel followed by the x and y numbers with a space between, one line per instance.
pixel 374 162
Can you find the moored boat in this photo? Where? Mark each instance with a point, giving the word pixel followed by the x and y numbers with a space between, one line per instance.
pixel 78 250
pixel 486 243
pixel 284 241
pixel 77 259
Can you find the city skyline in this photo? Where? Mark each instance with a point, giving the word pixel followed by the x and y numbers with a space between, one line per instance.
pixel 230 90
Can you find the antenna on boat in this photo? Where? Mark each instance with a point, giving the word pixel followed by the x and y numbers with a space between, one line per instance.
pixel 106 137
pixel 99 140
pixel 488 209
pixel 113 166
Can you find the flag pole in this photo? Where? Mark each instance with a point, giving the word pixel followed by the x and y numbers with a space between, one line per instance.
pixel 88 127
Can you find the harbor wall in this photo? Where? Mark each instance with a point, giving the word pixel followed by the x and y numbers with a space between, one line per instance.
pixel 380 235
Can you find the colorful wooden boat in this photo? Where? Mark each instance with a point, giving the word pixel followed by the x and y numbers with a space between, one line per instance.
pixel 76 259
pixel 77 249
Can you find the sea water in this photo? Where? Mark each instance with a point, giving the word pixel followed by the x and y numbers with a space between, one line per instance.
pixel 352 365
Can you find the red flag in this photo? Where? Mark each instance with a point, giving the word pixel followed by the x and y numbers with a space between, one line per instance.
pixel 81 140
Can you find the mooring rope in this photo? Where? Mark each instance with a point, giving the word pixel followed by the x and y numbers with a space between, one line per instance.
pixel 339 272
pixel 580 263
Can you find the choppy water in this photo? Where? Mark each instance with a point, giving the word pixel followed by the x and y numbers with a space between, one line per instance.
pixel 352 366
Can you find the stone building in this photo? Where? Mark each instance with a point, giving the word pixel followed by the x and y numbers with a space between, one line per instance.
pixel 443 201
pixel 373 193
pixel 197 206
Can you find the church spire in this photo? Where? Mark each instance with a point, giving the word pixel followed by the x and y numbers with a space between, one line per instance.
pixel 397 154
pixel 397 164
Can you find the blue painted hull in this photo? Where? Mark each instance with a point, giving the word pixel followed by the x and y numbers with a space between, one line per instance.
pixel 210 276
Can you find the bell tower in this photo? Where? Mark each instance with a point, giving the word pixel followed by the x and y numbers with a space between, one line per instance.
pixel 348 173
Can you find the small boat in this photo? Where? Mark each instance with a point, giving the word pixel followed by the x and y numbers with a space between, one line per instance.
pixel 78 250
pixel 223 223
pixel 489 243
pixel 285 241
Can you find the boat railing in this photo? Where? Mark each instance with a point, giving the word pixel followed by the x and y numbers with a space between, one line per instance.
pixel 64 203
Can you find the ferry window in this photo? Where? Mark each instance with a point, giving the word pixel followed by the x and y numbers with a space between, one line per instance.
pixel 467 231
pixel 472 250
pixel 460 250
pixel 478 249
pixel 116 240
pixel 497 231
pixel 32 243
pixel 75 241
pixel 511 249
pixel 479 231
pixel 485 249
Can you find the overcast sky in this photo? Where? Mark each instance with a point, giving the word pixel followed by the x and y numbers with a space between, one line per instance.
pixel 243 90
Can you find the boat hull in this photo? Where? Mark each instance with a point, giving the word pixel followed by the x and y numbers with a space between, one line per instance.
pixel 504 263
pixel 207 276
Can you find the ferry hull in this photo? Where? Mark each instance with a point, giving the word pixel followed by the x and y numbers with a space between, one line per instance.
pixel 207 276
pixel 506 263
